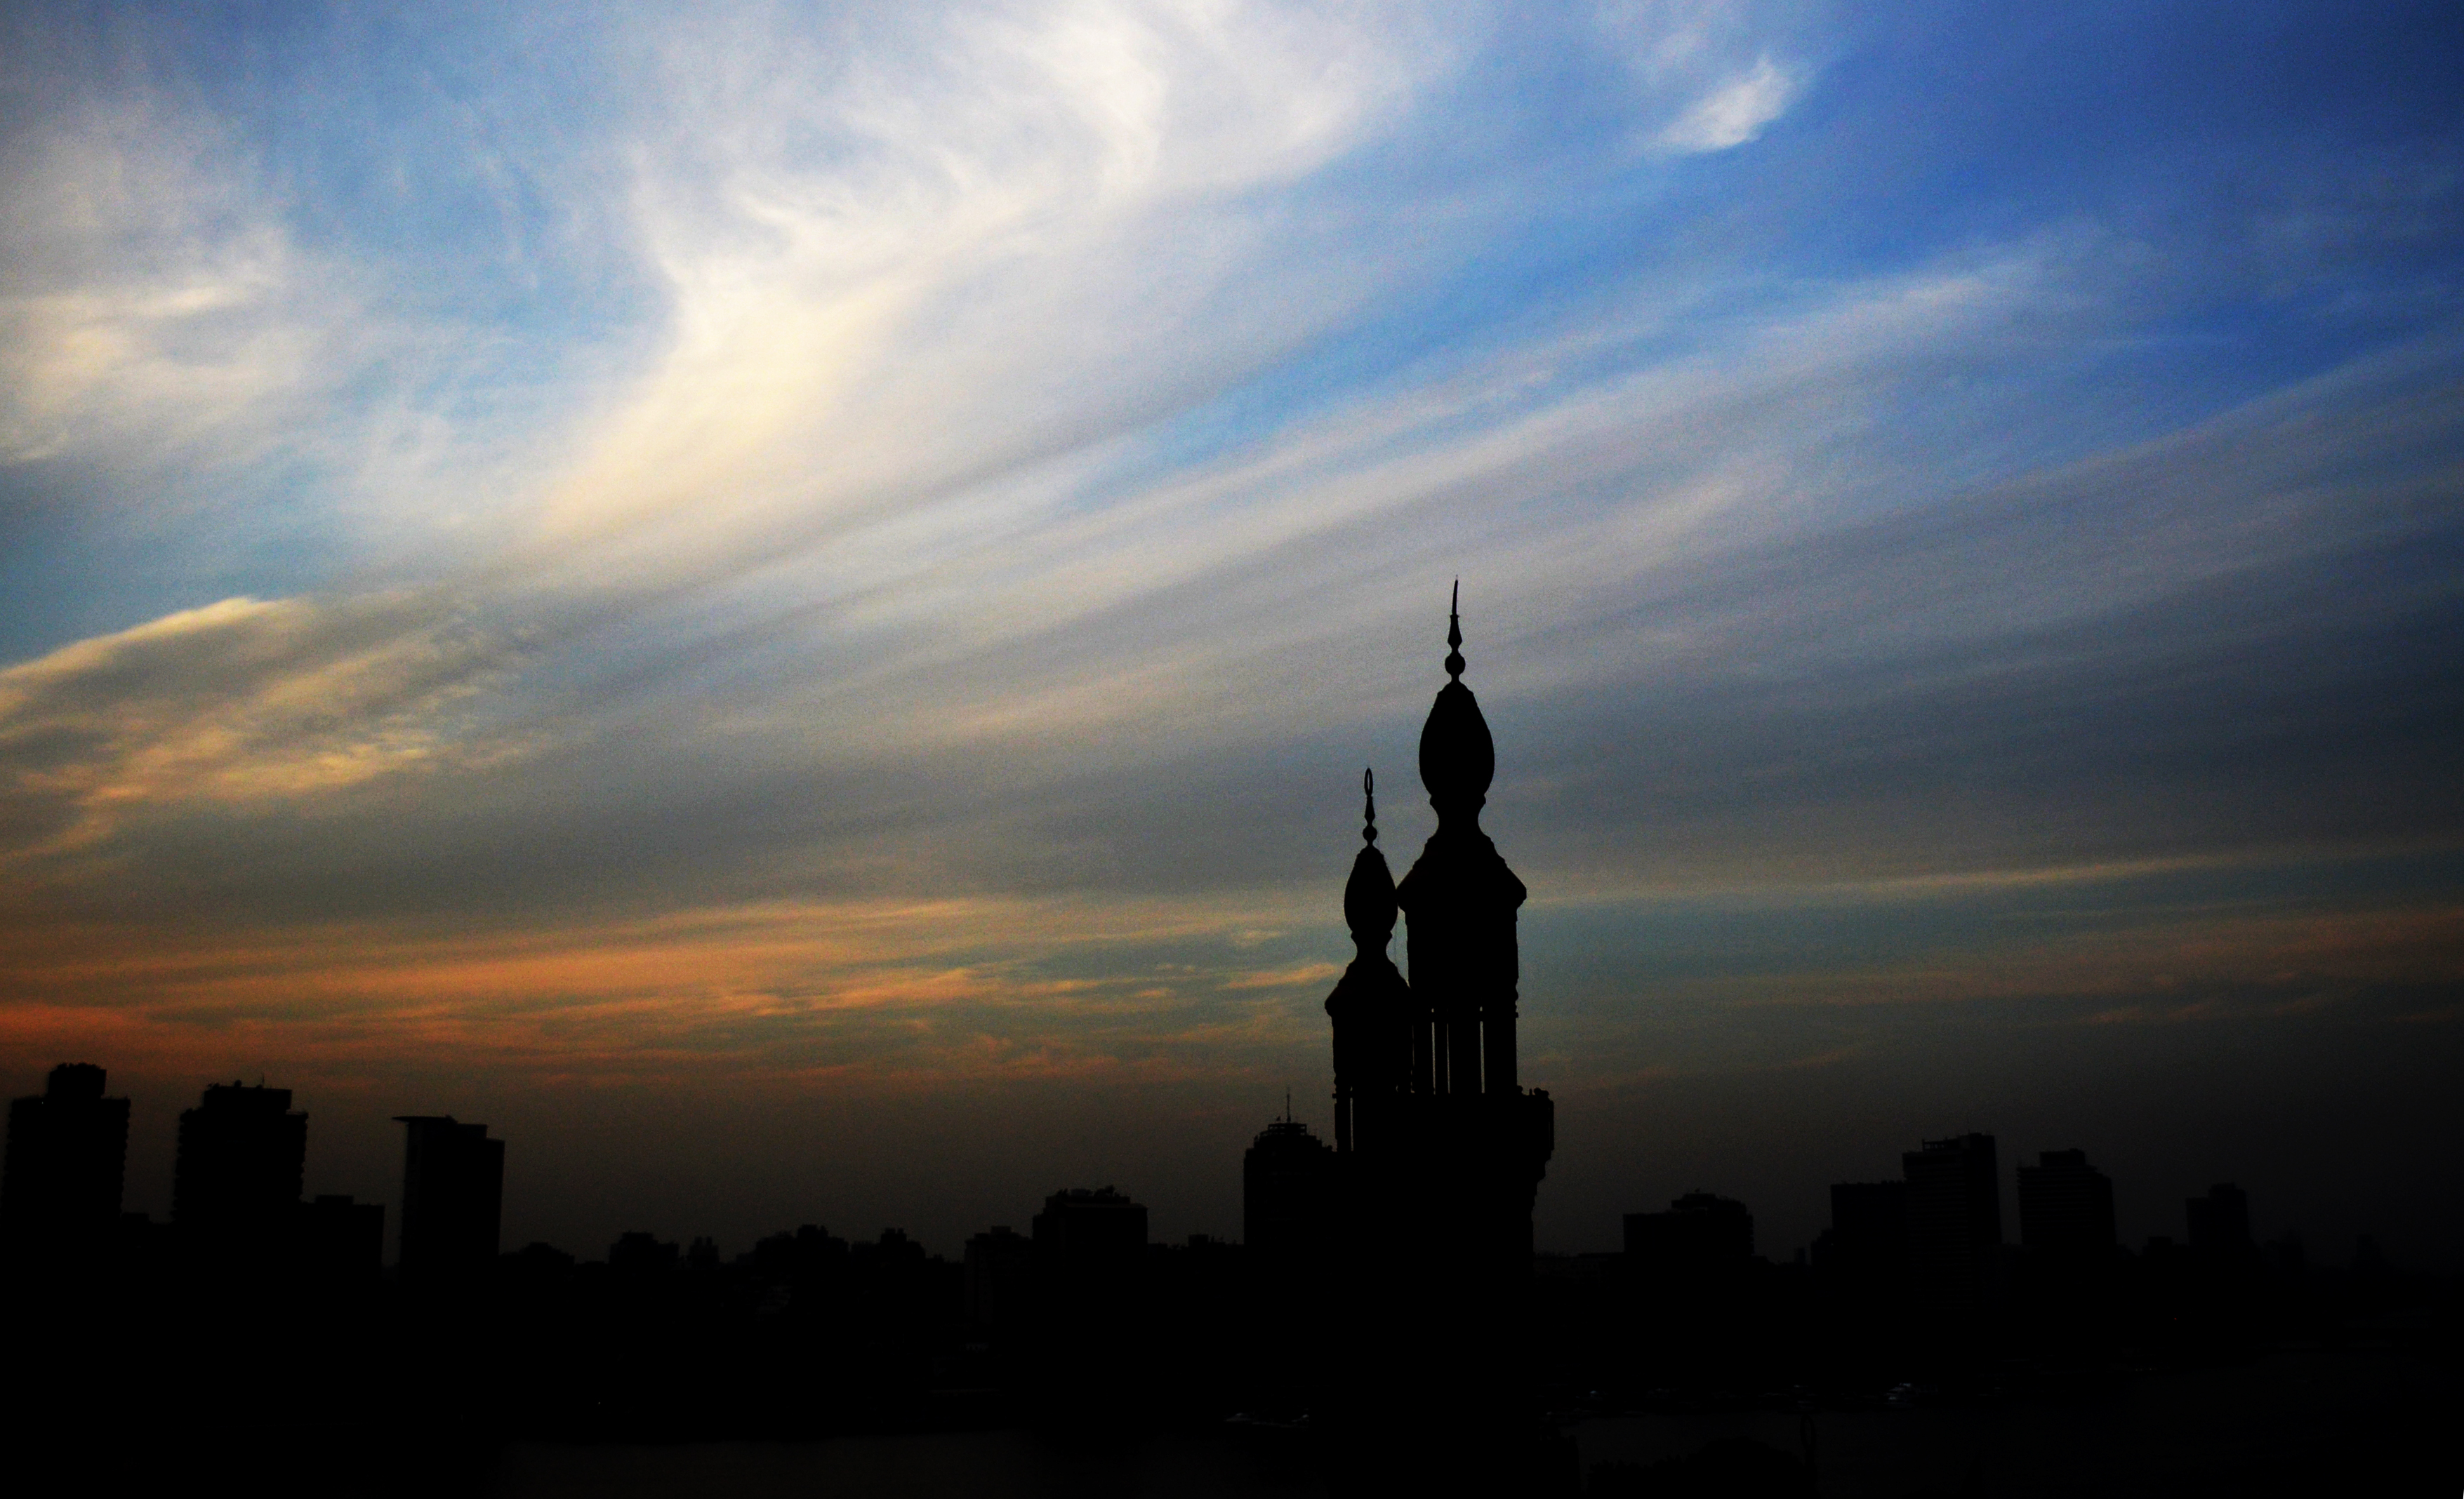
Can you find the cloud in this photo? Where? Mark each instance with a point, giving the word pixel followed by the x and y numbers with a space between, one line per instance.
pixel 1703 986
pixel 1034 609
pixel 1031 661
pixel 1733 114
pixel 1709 74
pixel 903 992
pixel 238 701
pixel 156 308
pixel 897 263
pixel 140 303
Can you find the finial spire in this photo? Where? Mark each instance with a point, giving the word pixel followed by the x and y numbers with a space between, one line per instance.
pixel 1369 894
pixel 1454 633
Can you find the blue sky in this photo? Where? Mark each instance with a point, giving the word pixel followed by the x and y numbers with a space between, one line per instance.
pixel 572 564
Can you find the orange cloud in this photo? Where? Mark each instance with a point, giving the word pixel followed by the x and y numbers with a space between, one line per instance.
pixel 241 701
pixel 936 991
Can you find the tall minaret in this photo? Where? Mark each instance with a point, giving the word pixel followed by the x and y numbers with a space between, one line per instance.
pixel 1371 1005
pixel 1442 1152
pixel 1460 901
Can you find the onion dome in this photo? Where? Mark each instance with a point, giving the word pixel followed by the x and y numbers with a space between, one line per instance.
pixel 1369 896
pixel 1458 759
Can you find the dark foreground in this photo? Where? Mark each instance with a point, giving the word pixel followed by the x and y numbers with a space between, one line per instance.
pixel 815 1367
pixel 2373 1421
pixel 2307 1420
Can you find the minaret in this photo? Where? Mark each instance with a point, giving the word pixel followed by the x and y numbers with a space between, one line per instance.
pixel 1462 900
pixel 1371 1005
pixel 1440 1151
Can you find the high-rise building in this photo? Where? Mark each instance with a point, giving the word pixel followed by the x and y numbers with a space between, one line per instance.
pixel 1000 1266
pixel 1091 1231
pixel 452 1198
pixel 2066 1205
pixel 1287 1201
pixel 1954 1215
pixel 235 1181
pixel 68 1153
pixel 1089 1262
pixel 1287 1195
pixel 1701 1234
pixel 2219 1223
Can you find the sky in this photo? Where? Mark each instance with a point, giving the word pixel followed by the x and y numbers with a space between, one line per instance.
pixel 785 603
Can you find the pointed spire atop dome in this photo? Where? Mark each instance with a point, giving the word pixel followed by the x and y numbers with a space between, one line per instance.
pixel 1454 633
pixel 1458 759
pixel 1369 896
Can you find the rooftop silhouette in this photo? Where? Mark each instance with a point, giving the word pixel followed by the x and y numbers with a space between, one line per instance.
pixel 67 1156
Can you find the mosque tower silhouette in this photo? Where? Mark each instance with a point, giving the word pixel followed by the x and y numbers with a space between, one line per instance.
pixel 1439 1150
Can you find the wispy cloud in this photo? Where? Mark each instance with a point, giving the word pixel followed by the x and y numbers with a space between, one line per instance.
pixel 1733 114
pixel 150 304
pixel 896 266
pixel 896 991
pixel 1705 72
pixel 241 700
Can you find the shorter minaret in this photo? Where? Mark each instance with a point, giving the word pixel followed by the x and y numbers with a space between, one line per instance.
pixel 1371 1005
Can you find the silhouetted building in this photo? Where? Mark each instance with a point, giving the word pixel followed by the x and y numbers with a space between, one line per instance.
pixel 1088 1247
pixel 342 1242
pixel 1287 1201
pixel 452 1198
pixel 800 1267
pixel 2066 1205
pixel 68 1153
pixel 2219 1223
pixel 1090 1257
pixel 1373 1011
pixel 999 1271
pixel 1443 1149
pixel 1699 1233
pixel 1954 1206
pixel 1439 1150
pixel 1492 1138
pixel 542 1258
pixel 235 1183
pixel 1091 1232
pixel 537 1278
pixel 1868 1237
pixel 1287 1195
pixel 640 1252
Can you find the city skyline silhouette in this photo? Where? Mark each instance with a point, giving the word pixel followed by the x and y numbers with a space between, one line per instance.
pixel 668 671
pixel 1382 1317
pixel 1370 1061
